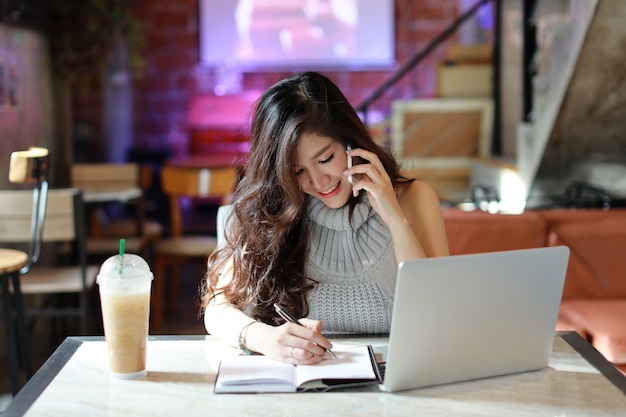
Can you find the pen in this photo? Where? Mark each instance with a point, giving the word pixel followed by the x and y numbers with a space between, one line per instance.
pixel 288 317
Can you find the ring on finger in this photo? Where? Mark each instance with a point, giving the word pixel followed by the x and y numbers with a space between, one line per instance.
pixel 291 353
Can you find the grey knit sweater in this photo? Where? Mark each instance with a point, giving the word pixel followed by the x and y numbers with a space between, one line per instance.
pixel 355 267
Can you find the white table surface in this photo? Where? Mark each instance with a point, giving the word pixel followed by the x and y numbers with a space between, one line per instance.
pixel 181 373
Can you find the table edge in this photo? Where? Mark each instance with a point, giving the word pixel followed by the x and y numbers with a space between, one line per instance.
pixel 595 359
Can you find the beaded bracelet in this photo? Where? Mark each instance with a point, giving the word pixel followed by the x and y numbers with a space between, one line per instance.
pixel 240 340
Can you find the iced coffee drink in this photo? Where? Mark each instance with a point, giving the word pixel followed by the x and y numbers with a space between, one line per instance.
pixel 125 282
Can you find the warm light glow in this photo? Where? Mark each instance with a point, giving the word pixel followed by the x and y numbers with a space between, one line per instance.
pixel 512 193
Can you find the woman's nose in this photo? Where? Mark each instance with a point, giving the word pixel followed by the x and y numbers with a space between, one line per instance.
pixel 317 179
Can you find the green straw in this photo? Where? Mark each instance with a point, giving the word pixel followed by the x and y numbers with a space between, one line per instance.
pixel 122 244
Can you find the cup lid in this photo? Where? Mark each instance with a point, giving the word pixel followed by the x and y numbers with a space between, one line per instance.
pixel 127 266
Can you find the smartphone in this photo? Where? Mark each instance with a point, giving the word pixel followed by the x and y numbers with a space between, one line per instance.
pixel 350 177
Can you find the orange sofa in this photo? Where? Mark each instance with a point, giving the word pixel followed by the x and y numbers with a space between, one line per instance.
pixel 594 295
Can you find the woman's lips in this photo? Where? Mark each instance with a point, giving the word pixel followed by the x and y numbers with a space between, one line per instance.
pixel 331 192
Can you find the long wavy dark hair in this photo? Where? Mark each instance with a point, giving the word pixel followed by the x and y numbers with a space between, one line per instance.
pixel 267 237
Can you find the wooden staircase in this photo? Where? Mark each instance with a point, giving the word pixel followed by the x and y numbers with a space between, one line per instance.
pixel 579 96
pixel 577 127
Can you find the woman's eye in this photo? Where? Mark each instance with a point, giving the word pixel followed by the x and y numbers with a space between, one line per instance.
pixel 327 160
pixel 298 172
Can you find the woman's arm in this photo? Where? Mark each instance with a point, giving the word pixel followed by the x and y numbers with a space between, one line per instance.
pixel 288 343
pixel 418 231
pixel 413 214
pixel 422 208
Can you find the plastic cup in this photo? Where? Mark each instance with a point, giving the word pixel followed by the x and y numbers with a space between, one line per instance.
pixel 125 282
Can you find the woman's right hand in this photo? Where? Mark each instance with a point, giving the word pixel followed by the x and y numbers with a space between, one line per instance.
pixel 290 342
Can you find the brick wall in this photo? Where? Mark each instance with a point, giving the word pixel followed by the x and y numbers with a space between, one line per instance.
pixel 171 76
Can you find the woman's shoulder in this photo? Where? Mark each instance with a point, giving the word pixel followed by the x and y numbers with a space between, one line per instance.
pixel 417 191
pixel 420 203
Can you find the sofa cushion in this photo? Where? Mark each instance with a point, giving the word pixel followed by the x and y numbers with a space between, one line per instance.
pixel 560 216
pixel 479 231
pixel 597 264
pixel 564 324
pixel 603 322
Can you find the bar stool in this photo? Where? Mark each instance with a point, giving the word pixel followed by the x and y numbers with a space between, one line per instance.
pixel 30 166
pixel 11 262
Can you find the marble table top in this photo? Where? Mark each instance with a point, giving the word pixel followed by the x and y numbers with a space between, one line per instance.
pixel 182 369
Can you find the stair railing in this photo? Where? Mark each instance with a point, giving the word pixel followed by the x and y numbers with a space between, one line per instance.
pixel 417 58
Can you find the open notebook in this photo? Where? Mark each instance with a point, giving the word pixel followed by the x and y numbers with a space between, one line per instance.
pixel 465 317
pixel 354 365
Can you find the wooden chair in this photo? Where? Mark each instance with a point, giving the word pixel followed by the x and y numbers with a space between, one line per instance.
pixel 53 282
pixel 125 183
pixel 180 248
pixel 64 229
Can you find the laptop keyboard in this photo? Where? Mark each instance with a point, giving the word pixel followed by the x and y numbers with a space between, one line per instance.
pixel 382 366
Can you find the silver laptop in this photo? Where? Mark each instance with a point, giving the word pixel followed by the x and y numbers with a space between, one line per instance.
pixel 473 316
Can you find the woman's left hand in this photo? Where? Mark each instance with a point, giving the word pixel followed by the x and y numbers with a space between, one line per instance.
pixel 373 178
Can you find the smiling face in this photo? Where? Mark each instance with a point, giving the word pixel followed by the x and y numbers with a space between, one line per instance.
pixel 319 165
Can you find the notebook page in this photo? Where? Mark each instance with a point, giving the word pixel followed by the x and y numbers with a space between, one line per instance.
pixel 351 363
pixel 255 370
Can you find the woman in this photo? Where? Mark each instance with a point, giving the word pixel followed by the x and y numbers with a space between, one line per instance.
pixel 303 236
